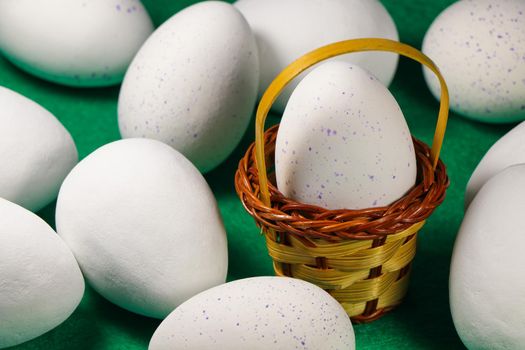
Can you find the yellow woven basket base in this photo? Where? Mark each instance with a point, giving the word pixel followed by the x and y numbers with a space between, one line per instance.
pixel 348 265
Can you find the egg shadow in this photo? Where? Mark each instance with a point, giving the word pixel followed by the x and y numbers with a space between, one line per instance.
pixel 412 93
pixel 136 327
pixel 248 257
pixel 80 331
pixel 48 214
pixel 36 83
pixel 161 10
pixel 247 251
pixel 221 179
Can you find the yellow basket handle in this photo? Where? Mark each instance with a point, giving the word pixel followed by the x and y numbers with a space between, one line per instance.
pixel 323 53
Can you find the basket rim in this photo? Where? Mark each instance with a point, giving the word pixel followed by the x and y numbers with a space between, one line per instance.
pixel 309 221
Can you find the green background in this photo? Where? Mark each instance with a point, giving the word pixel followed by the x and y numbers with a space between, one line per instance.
pixel 423 321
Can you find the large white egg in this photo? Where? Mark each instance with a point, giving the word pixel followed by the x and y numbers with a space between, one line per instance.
pixel 36 152
pixel 73 42
pixel 143 225
pixel 287 29
pixel 343 141
pixel 479 47
pixel 40 282
pixel 258 313
pixel 509 150
pixel 193 84
pixel 487 288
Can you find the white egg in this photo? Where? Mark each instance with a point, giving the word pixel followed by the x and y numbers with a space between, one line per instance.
pixel 343 141
pixel 509 150
pixel 258 313
pixel 479 47
pixel 193 84
pixel 143 225
pixel 40 282
pixel 36 152
pixel 73 42
pixel 287 29
pixel 486 275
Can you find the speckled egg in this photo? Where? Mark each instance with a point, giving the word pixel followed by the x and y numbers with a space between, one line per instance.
pixel 73 42
pixel 36 152
pixel 287 29
pixel 257 313
pixel 487 287
pixel 193 84
pixel 479 46
pixel 40 282
pixel 143 225
pixel 509 150
pixel 343 141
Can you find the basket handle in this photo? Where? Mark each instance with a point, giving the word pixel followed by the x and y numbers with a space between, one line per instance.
pixel 321 54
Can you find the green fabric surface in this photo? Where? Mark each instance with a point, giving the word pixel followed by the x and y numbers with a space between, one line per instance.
pixel 423 321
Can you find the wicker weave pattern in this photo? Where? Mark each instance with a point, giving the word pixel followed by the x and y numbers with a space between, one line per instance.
pixel 361 257
pixel 289 216
pixel 347 277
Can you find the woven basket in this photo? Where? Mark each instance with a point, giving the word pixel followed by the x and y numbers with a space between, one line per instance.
pixel 361 257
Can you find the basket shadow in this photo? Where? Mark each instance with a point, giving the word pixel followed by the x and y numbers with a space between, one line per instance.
pixel 423 319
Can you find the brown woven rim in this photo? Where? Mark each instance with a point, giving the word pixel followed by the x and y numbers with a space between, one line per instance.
pixel 289 216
